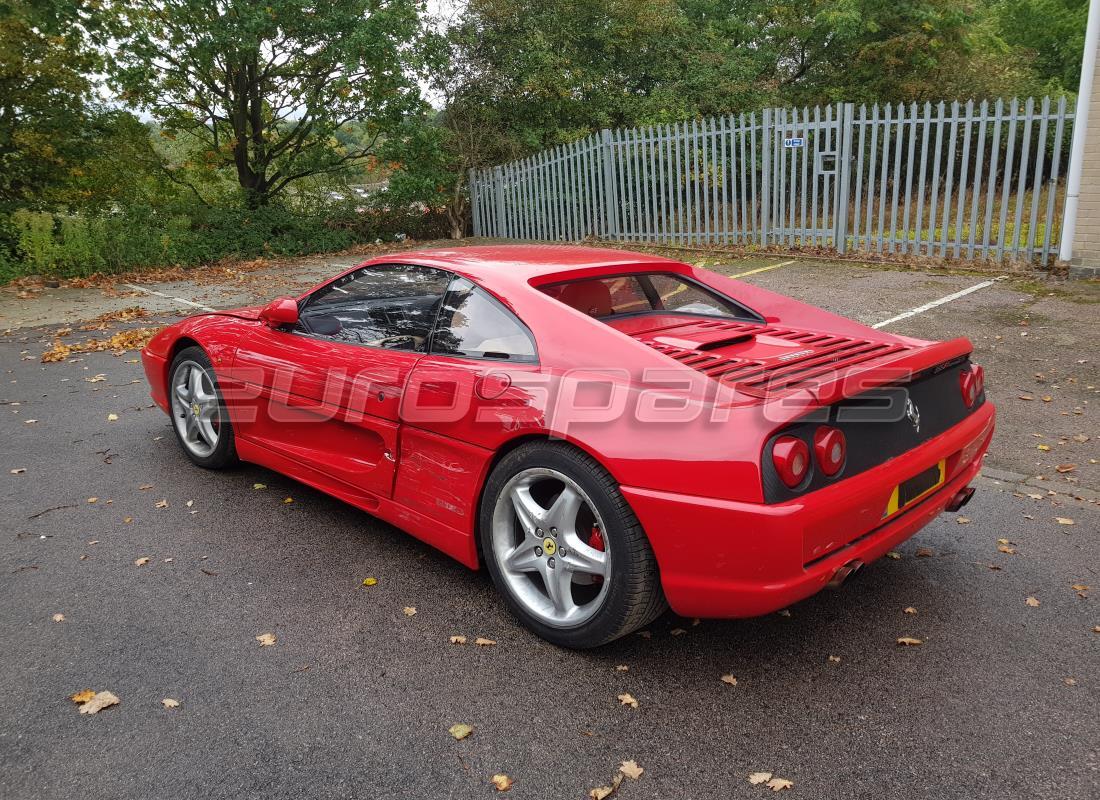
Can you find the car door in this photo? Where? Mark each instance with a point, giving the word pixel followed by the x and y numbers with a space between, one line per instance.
pixel 476 388
pixel 326 392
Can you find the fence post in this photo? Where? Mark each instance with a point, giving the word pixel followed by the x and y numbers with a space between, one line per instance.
pixel 766 148
pixel 607 169
pixel 844 177
pixel 498 197
pixel 471 183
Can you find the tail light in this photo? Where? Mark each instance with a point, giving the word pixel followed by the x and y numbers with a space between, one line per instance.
pixel 791 457
pixel 971 384
pixel 830 449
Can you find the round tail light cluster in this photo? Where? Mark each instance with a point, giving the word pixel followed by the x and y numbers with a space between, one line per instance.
pixel 830 449
pixel 971 384
pixel 791 455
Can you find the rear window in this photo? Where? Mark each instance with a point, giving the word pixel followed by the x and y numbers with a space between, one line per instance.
pixel 647 293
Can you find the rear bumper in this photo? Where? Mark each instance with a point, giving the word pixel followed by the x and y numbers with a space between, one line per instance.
pixel 722 558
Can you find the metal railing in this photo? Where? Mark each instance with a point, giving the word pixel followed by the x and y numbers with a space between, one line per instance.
pixel 958 181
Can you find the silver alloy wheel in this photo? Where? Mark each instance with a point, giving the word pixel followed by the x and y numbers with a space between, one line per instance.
pixel 542 532
pixel 195 409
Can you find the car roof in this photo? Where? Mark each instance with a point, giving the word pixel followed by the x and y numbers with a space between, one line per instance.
pixel 492 265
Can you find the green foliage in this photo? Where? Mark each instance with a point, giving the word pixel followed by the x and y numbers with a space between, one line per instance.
pixel 263 89
pixel 1051 33
pixel 70 245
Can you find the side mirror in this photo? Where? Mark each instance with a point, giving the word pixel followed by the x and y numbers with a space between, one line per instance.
pixel 280 311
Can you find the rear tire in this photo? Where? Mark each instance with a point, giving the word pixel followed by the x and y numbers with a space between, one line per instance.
pixel 564 548
pixel 200 419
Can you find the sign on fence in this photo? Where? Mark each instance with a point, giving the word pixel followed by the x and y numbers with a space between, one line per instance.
pixel 948 181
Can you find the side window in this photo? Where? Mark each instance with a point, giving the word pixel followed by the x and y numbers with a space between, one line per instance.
pixel 381 305
pixel 473 324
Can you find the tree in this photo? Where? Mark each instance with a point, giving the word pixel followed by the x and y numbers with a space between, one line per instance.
pixel 44 97
pixel 265 87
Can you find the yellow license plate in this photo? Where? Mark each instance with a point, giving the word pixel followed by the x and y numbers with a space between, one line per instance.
pixel 916 488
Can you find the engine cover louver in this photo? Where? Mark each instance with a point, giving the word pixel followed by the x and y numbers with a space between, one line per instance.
pixel 763 360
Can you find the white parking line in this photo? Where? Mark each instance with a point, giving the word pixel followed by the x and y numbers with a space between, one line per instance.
pixel 168 297
pixel 763 269
pixel 935 303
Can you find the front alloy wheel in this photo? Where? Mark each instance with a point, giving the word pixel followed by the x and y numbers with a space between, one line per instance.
pixel 199 416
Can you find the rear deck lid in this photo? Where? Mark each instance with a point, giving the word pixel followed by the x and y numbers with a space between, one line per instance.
pixel 761 361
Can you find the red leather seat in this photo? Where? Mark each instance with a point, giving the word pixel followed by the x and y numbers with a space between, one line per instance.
pixel 589 297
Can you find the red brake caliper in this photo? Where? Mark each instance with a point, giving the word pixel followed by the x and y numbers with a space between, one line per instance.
pixel 595 541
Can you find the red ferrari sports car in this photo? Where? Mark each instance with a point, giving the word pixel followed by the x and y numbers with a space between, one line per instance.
pixel 610 433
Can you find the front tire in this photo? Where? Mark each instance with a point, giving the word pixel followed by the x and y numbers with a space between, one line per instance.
pixel 564 548
pixel 199 416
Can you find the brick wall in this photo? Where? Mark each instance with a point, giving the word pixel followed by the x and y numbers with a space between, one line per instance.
pixel 1086 241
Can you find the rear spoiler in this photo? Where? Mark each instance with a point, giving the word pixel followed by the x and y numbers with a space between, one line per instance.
pixel 852 381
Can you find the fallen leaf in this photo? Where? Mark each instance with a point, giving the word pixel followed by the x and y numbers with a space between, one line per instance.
pixel 83 697
pixel 410 611
pixel 168 702
pixel 756 778
pixel 458 640
pixel 732 681
pixel 141 562
pixel 1004 548
pixel 266 639
pixel 127 520
pixel 112 417
pixel 483 642
pixel 1096 628
pixel 93 499
pixel 370 581
pixel 18 471
pixel 910 610
pixel 631 769
pixel 834 659
pixel 460 730
pixel 259 486
pixel 602 792
pixel 1043 447
pixel 677 632
pixel 621 668
pixel 1070 681
pixel 161 504
pixel 1026 397
pixel 1063 520
pixel 925 552
pixel 288 500
pixel 627 699
pixel 779 784
pixel 502 782
pixel 1080 587
pixel 96 378
pixel 145 486
pixel 100 701
pixel 29 421
pixel 1064 468
pixel 962 520
pixel 645 634
pixel 893 555
pixel 58 617
pixel 1047 398
pixel 907 641
pixel 1033 602
pixel 190 503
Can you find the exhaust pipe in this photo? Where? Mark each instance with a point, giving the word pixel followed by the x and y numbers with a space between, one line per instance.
pixel 960 499
pixel 844 572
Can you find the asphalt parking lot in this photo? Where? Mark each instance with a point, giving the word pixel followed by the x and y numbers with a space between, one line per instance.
pixel 356 696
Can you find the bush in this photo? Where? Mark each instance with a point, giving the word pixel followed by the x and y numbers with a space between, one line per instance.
pixel 72 245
